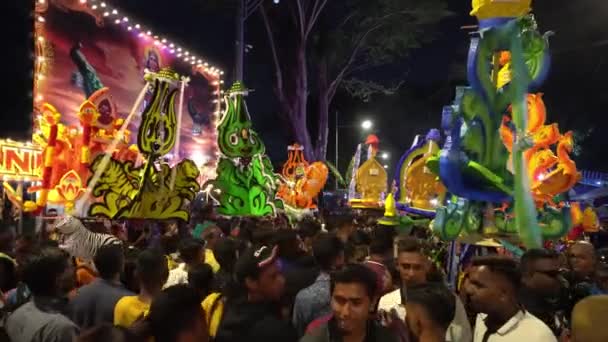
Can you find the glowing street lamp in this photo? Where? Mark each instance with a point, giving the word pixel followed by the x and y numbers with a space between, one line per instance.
pixel 384 156
pixel 367 125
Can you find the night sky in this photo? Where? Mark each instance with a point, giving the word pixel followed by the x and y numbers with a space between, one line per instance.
pixel 576 93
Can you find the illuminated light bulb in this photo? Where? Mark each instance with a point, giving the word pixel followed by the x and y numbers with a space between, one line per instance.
pixel 179 49
pixel 39 98
pixel 200 61
pixel 125 19
pixel 172 50
pixel 105 14
pixel 221 72
pixel 94 7
pixel 172 45
pixel 40 76
pixel 206 64
pixel 137 26
pixel 222 82
pixel 164 40
pixel 41 19
pixel 114 11
pixel 156 42
pixel 40 38
pixel 83 1
pixel 179 55
pixel 130 28
pixel 149 33
pixel 141 34
pixel 187 53
pixel 41 1
pixel 117 21
pixel 103 4
pixel 192 62
pixel 41 59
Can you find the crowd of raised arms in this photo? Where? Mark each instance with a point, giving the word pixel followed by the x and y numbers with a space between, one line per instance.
pixel 322 279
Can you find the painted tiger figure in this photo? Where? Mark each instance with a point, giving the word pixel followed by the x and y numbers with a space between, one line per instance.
pixel 119 177
pixel 118 183
pixel 185 182
pixel 80 242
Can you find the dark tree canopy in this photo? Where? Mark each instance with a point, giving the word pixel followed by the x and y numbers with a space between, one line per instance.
pixel 319 46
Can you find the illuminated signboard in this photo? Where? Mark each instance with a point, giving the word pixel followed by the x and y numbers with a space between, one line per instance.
pixel 19 160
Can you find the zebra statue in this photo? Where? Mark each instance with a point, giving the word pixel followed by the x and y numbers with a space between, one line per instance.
pixel 80 242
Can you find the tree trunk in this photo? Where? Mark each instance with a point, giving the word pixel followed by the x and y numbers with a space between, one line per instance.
pixel 302 137
pixel 300 115
pixel 323 111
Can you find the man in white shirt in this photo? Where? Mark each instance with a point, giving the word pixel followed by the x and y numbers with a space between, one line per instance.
pixel 192 253
pixel 414 266
pixel 492 289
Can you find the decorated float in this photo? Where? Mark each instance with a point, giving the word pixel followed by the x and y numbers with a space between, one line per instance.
pixel 153 190
pixel 245 184
pixel 584 220
pixel 368 184
pixel 91 59
pixel 66 153
pixel 497 162
pixel 398 219
pixel 301 182
pixel 418 190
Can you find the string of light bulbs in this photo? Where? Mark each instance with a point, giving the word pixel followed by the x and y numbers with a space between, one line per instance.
pixel 109 13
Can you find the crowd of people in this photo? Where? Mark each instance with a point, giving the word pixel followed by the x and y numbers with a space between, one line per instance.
pixel 323 279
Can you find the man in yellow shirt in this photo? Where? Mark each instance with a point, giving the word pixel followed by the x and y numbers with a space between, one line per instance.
pixel 214 309
pixel 152 272
pixel 212 235
pixel 191 252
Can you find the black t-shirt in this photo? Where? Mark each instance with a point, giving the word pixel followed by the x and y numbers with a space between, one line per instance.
pixel 552 311
pixel 244 321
